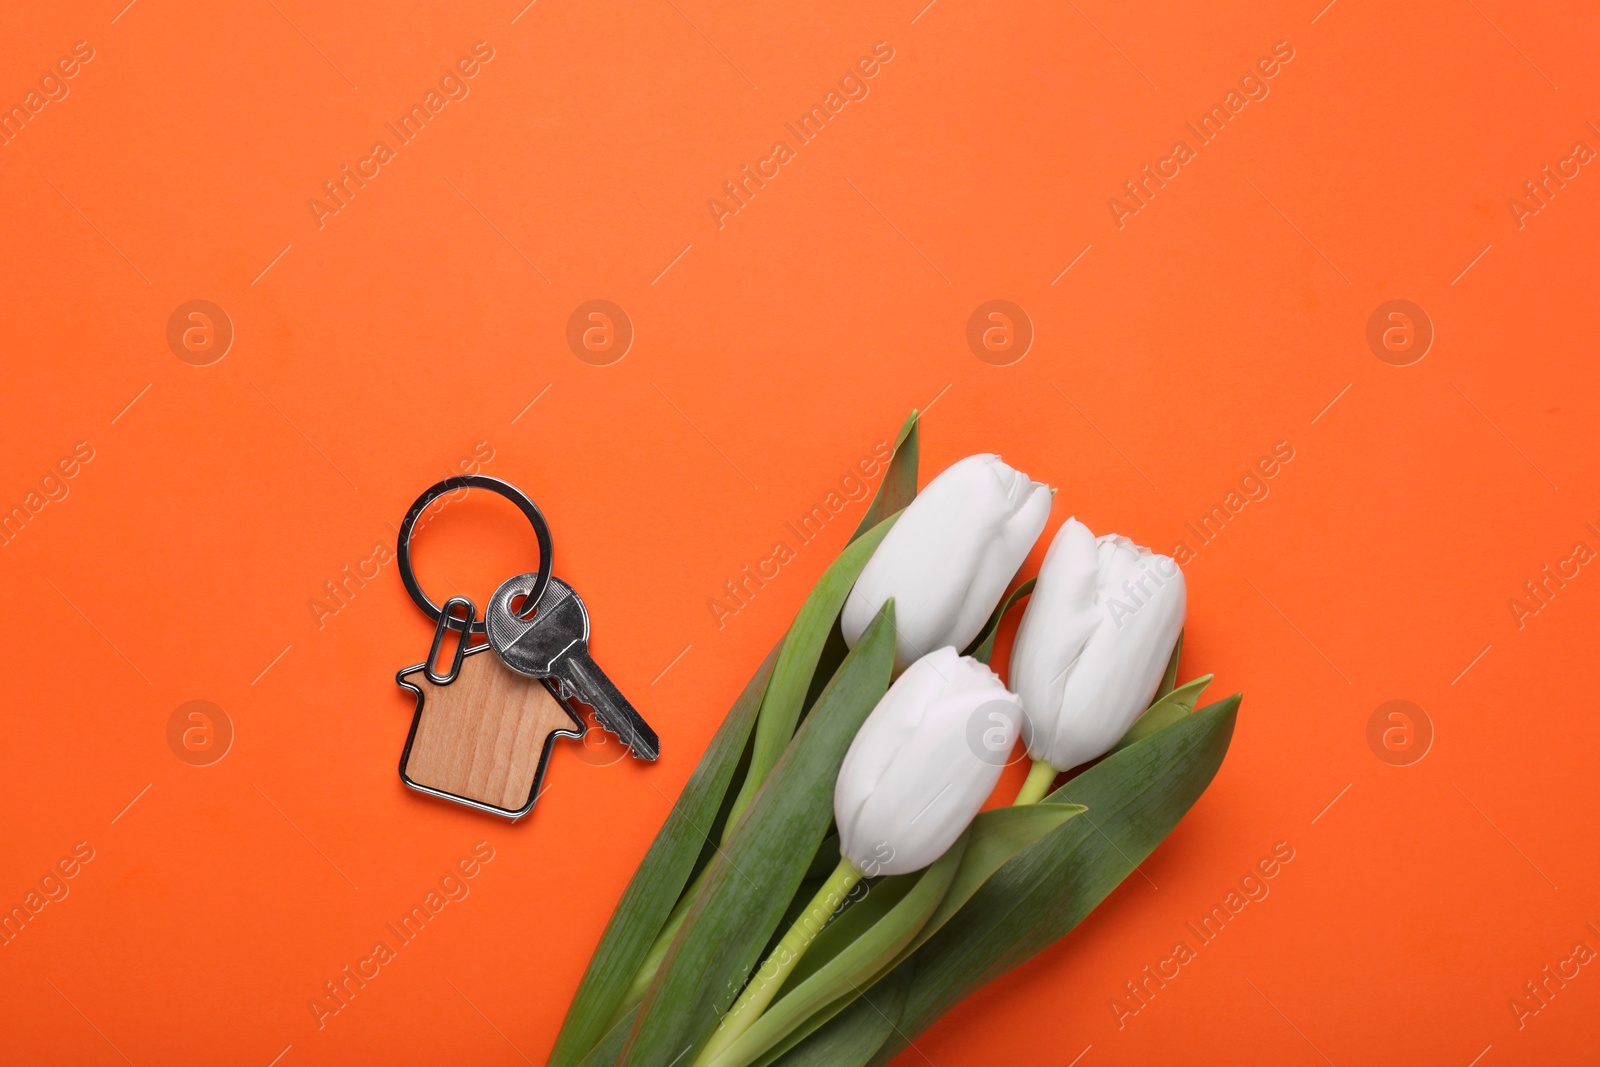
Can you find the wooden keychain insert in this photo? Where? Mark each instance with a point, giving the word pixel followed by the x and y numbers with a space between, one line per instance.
pixel 485 738
pixel 482 733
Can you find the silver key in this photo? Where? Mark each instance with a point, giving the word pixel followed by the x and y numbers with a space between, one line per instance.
pixel 555 644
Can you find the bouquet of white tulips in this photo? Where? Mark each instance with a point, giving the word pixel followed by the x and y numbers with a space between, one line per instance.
pixel 827 885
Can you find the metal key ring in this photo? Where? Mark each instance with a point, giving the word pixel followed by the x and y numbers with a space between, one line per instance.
pixel 541 530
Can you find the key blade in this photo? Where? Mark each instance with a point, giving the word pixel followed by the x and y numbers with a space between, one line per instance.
pixel 578 671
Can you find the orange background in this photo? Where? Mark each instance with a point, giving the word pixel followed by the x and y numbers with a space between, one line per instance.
pixel 374 353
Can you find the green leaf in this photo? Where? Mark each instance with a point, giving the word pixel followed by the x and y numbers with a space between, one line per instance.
pixel 866 942
pixel 1166 711
pixel 1170 679
pixel 605 1053
pixel 666 868
pixel 754 878
pixel 899 485
pixel 1135 797
pixel 833 653
pixel 862 1025
pixel 856 955
pixel 982 646
pixel 996 836
pixel 993 837
pixel 797 662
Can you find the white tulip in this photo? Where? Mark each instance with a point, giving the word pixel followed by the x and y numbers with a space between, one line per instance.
pixel 949 558
pixel 923 763
pixel 1094 642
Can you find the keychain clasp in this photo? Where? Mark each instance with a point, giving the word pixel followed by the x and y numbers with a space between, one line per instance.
pixel 448 620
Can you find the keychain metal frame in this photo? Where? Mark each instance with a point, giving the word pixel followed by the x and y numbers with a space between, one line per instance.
pixel 524 503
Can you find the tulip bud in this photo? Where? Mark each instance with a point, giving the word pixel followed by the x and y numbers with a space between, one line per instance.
pixel 950 556
pixel 915 775
pixel 1094 642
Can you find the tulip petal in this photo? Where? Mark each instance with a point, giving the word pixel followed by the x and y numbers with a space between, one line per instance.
pixel 950 557
pixel 914 777
pixel 1060 618
pixel 999 564
pixel 1118 673
pixel 1092 649
pixel 880 742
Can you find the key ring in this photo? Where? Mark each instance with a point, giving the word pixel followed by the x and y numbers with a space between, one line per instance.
pixel 541 530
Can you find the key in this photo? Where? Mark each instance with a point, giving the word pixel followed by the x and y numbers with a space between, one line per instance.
pixel 555 644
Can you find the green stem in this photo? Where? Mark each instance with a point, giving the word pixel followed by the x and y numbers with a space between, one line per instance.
pixel 1040 778
pixel 769 978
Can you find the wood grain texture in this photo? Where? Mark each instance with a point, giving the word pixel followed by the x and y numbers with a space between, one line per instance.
pixel 484 736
